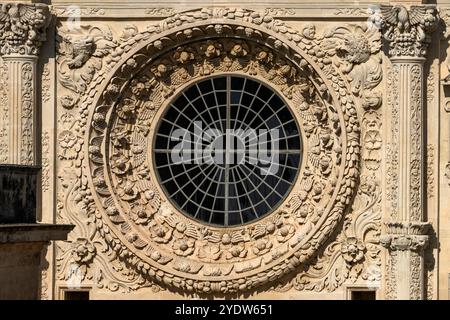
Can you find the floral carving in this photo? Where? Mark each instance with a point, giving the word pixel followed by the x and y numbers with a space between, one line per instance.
pixel 80 55
pixel 183 247
pixel 354 255
pixel 83 252
pixel 45 161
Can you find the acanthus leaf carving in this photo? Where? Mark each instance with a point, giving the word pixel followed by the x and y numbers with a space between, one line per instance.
pixel 408 30
pixel 276 237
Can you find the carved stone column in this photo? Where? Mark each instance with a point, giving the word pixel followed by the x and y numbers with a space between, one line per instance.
pixel 407 32
pixel 22 31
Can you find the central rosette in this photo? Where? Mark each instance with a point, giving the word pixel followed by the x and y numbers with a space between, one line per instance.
pixel 227 150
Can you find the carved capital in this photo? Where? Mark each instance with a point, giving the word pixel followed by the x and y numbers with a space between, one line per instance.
pixel 408 31
pixel 22 28
pixel 406 236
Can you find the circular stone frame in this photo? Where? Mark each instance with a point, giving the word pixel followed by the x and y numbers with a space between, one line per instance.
pixel 162 244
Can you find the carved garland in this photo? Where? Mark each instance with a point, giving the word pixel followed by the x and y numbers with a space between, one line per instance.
pixel 125 202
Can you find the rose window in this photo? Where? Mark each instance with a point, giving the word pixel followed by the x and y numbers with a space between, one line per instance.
pixel 227 150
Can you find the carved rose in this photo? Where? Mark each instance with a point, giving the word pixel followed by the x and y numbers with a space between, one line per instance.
pixel 83 252
pixel 353 250
pixel 126 110
pixel 209 252
pixel 140 215
pixel 262 246
pixel 161 234
pixel 183 247
pixel 68 101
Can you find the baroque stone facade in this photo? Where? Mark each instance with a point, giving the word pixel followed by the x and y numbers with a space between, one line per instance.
pixel 82 93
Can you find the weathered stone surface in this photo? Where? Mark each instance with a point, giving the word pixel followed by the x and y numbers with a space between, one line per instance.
pixel 367 208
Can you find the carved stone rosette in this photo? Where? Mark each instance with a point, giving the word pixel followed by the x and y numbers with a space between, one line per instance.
pixel 114 95
pixel 22 31
pixel 408 33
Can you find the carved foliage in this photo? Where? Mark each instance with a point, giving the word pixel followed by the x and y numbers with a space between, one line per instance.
pixel 27 118
pixel 251 249
pixel 4 118
pixel 22 27
pixel 408 31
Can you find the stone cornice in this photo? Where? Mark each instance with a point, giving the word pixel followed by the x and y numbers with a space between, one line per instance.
pixel 408 31
pixel 22 28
